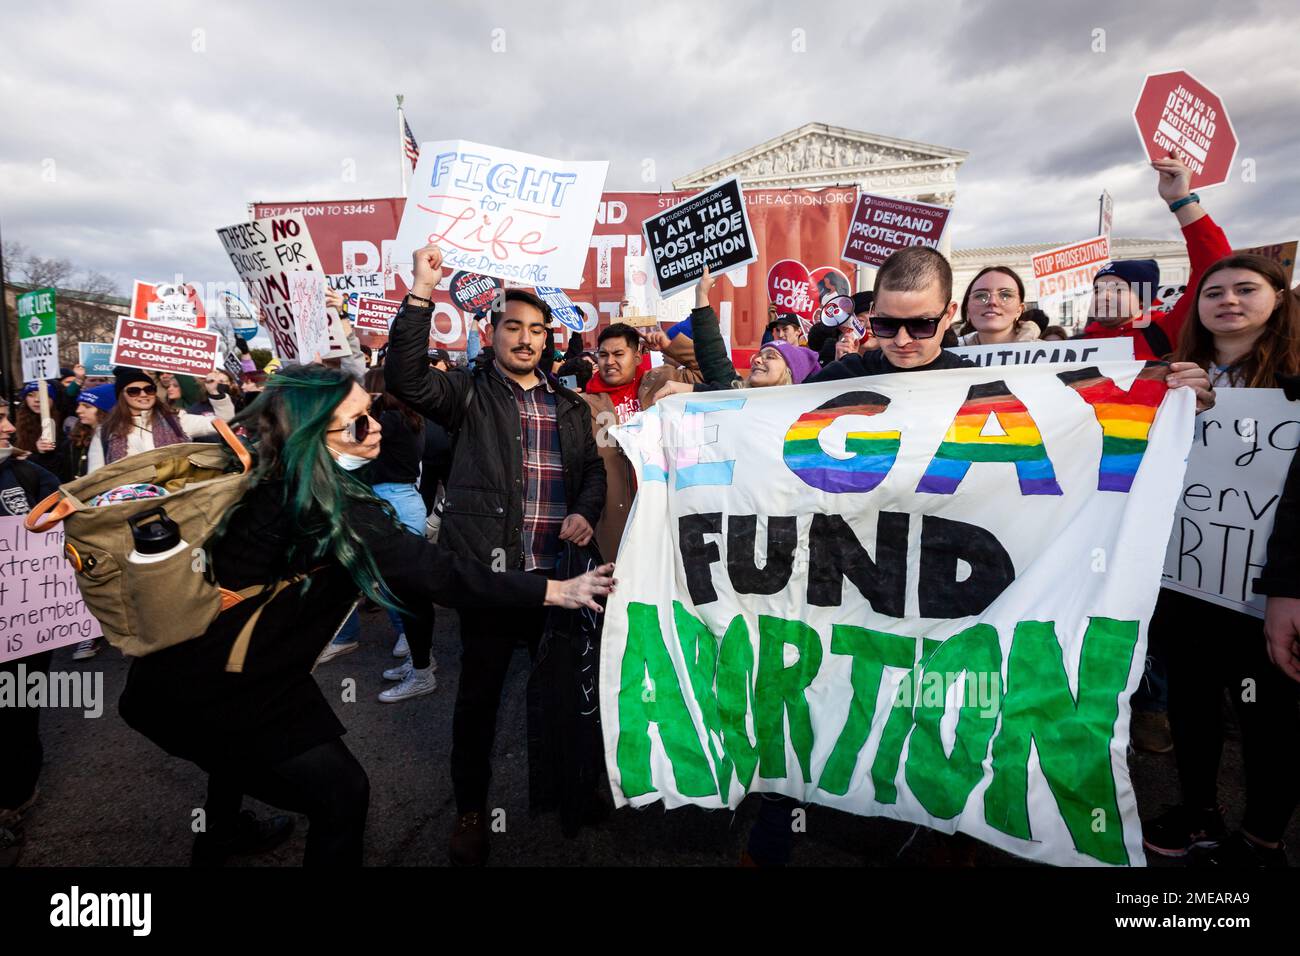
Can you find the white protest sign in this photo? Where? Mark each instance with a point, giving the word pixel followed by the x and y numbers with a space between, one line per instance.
pixel 174 305
pixel 310 319
pixel 1048 352
pixel 264 252
pixel 338 338
pixel 357 283
pixel 224 326
pixel 883 595
pixel 42 605
pixel 1240 454
pixel 640 292
pixel 502 213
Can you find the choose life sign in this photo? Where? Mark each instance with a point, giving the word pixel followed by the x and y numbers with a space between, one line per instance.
pixel 38 335
pixel 917 596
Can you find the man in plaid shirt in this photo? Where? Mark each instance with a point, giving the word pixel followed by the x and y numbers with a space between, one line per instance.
pixel 525 478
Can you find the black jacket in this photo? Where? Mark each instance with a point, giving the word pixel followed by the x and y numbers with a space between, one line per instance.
pixel 484 506
pixel 23 485
pixel 1281 577
pixel 875 363
pixel 183 698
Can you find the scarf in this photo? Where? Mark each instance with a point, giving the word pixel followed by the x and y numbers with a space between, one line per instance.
pixel 165 428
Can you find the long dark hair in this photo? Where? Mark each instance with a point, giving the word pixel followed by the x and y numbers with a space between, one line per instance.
pixel 1276 351
pixel 28 424
pixel 287 423
pixel 966 324
pixel 121 420
pixel 374 384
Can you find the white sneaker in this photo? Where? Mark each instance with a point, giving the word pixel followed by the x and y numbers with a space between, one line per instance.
pixel 406 668
pixel 401 648
pixel 401 671
pixel 333 650
pixel 86 650
pixel 418 683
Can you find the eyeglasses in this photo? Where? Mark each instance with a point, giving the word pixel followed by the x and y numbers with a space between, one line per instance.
pixel 135 391
pixel 356 430
pixel 886 327
pixel 984 298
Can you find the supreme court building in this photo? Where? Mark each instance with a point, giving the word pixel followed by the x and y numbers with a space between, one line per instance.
pixel 817 155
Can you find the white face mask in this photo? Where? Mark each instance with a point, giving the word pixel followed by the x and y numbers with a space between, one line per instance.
pixel 348 462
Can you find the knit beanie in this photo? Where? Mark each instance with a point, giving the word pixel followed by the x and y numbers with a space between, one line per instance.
pixel 1142 276
pixel 124 376
pixel 802 361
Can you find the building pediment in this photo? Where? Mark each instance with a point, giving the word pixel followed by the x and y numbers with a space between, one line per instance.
pixel 818 154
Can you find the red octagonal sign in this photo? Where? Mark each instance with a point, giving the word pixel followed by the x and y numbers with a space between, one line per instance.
pixel 1176 114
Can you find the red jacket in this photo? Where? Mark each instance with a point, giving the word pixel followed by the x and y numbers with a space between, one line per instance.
pixel 1206 245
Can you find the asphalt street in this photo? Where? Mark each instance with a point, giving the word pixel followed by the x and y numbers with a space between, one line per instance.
pixel 111 797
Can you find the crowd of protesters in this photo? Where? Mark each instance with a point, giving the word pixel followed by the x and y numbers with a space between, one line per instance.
pixel 493 487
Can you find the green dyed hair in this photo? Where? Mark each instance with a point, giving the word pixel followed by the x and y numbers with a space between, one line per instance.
pixel 288 423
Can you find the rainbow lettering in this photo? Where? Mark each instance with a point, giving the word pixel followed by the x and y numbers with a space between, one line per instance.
pixel 1125 419
pixel 1021 442
pixel 872 454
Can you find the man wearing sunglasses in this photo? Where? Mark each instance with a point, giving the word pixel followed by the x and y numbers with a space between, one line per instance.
pixel 911 311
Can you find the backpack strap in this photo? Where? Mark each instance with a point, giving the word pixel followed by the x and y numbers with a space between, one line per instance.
pixel 239 650
pixel 1157 340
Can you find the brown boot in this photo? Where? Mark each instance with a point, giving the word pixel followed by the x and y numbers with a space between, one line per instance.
pixel 1149 731
pixel 469 841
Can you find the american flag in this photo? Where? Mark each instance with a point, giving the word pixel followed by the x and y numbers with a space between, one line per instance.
pixel 411 146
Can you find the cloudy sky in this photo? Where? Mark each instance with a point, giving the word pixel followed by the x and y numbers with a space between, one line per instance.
pixel 132 131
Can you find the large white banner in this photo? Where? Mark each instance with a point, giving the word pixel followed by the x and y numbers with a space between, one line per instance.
pixel 919 596
pixel 502 213
pixel 1235 473
pixel 1048 352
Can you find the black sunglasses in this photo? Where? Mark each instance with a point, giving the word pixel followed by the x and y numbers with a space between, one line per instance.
pixel 135 391
pixel 356 430
pixel 884 327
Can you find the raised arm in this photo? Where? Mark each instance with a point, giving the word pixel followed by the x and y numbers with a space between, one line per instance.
pixel 1206 243
pixel 436 395
pixel 716 366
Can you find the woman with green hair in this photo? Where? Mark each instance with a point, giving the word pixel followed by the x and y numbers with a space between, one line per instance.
pixel 268 731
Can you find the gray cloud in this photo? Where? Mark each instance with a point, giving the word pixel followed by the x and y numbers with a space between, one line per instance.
pixel 154 144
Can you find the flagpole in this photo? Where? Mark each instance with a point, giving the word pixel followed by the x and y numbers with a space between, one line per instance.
pixel 401 143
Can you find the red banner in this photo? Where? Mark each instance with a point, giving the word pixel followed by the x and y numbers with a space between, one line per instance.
pixel 801 224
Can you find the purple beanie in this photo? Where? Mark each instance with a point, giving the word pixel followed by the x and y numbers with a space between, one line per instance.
pixel 802 361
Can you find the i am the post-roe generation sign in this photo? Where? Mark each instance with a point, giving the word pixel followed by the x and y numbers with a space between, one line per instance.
pixel 914 596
